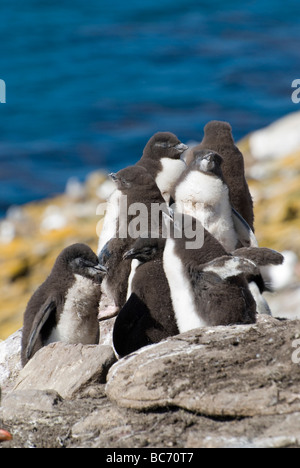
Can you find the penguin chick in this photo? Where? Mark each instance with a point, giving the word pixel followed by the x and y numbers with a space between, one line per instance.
pixel 140 195
pixel 208 286
pixel 263 258
pixel 162 160
pixel 202 192
pixel 65 306
pixel 115 282
pixel 148 316
pixel 218 138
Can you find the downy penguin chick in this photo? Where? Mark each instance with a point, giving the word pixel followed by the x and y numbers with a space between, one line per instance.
pixel 65 307
pixel 263 258
pixel 148 316
pixel 208 286
pixel 202 192
pixel 162 160
pixel 218 138
pixel 137 186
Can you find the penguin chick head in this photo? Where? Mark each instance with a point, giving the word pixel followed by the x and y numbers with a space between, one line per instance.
pixel 79 259
pixel 208 162
pixel 145 249
pixel 132 177
pixel 164 145
pixel 217 129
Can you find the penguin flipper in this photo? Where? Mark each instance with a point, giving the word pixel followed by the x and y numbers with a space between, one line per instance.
pixel 129 333
pixel 245 234
pixel 262 256
pixel 40 319
pixel 228 266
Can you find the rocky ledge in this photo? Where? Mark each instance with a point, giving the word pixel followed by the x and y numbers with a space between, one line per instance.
pixel 234 386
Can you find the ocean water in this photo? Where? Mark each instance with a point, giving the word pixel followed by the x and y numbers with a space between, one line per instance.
pixel 88 83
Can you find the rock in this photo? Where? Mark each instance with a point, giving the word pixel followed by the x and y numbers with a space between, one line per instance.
pixel 235 386
pixel 7 232
pixel 283 276
pixel 98 421
pixel 278 139
pixel 53 219
pixel 106 189
pixel 285 303
pixel 67 369
pixel 75 190
pixel 263 432
pixel 236 371
pixel 15 404
pixel 106 329
pixel 10 360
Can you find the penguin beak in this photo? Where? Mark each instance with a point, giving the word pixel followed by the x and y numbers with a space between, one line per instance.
pixel 129 254
pixel 100 268
pixel 113 177
pixel 5 435
pixel 95 269
pixel 206 162
pixel 208 156
pixel 181 148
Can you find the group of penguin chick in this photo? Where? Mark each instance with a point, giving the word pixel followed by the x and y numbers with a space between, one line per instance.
pixel 156 285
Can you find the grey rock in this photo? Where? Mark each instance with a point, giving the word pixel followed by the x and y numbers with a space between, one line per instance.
pixel 66 368
pixel 16 404
pixel 10 360
pixel 106 329
pixel 236 371
pixel 234 386
pixel 260 432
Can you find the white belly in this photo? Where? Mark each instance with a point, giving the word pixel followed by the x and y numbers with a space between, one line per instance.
pixel 171 171
pixel 78 322
pixel 206 198
pixel 109 229
pixel 187 316
pixel 134 265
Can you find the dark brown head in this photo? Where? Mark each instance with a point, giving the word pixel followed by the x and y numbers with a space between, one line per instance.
pixel 216 130
pixel 164 145
pixel 79 259
pixel 133 177
pixel 146 249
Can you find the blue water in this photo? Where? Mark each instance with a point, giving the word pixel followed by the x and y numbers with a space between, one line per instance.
pixel 89 82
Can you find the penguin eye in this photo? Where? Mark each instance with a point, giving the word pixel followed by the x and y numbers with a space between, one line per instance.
pixel 148 250
pixel 162 144
pixel 78 262
pixel 125 183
